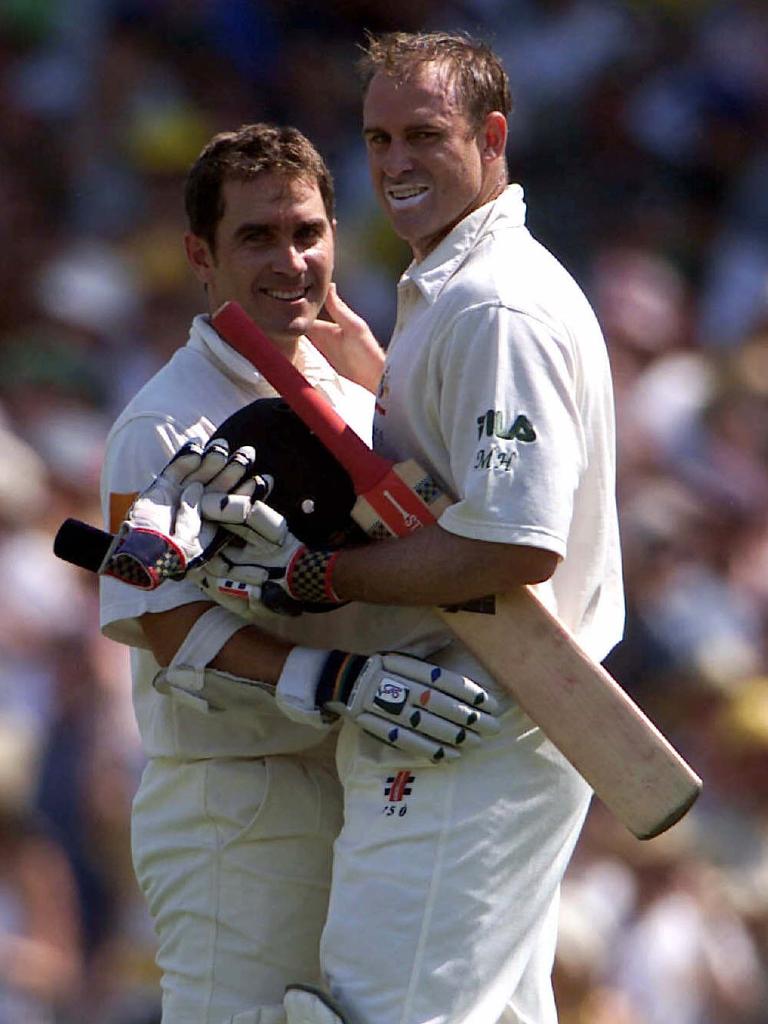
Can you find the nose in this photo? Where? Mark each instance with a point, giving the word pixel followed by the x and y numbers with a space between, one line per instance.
pixel 289 260
pixel 397 159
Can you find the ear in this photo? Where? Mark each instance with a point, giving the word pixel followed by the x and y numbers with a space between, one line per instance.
pixel 493 136
pixel 199 257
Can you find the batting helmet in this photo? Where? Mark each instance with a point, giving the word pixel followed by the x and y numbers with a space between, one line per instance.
pixel 312 490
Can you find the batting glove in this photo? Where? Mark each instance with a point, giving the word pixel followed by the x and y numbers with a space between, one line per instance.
pixel 273 569
pixel 403 701
pixel 164 532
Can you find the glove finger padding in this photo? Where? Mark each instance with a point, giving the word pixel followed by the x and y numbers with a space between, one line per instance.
pixel 235 468
pixel 164 533
pixel 467 693
pixel 257 523
pixel 408 697
pixel 214 458
pixel 232 508
pixel 412 743
pixel 186 461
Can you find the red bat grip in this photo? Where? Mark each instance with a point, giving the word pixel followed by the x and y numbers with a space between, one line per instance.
pixel 364 466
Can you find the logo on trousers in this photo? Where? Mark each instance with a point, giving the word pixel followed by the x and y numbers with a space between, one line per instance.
pixel 399 786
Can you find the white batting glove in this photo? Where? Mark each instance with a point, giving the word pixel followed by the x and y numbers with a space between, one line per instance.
pixel 403 701
pixel 273 568
pixel 164 531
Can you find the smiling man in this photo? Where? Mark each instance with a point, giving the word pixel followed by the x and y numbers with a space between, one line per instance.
pixel 497 382
pixel 238 807
pixel 427 168
pixel 273 248
pixel 240 803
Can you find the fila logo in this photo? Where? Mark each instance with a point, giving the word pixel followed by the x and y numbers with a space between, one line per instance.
pixel 399 786
pixel 491 424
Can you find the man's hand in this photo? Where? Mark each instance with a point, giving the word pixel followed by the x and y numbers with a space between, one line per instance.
pixel 272 569
pixel 348 343
pixel 407 703
pixel 164 532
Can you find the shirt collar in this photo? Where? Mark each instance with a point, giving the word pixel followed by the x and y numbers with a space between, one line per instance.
pixel 433 272
pixel 203 337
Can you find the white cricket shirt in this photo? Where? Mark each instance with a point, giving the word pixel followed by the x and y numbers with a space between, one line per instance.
pixel 497 380
pixel 202 384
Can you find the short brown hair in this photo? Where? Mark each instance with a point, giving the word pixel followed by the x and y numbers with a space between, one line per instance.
pixel 481 82
pixel 240 155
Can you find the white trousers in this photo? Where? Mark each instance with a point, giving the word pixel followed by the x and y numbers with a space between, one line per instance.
pixel 234 859
pixel 446 880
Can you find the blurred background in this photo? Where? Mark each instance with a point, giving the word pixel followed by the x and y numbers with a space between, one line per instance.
pixel 641 137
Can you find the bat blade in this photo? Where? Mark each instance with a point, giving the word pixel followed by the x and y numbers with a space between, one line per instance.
pixel 580 707
pixel 632 768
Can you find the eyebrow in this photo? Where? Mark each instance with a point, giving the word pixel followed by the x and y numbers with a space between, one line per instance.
pixel 257 228
pixel 417 126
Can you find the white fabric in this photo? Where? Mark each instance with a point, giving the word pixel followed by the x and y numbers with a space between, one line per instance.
pixel 297 686
pixel 201 385
pixel 185 676
pixel 446 879
pixel 491 321
pixel 303 1006
pixel 232 847
pixel 234 856
pixel 203 642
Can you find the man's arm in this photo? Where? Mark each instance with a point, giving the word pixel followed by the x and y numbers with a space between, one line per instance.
pixel 434 567
pixel 403 701
pixel 250 653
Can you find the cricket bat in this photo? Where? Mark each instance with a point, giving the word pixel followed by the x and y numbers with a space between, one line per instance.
pixel 630 765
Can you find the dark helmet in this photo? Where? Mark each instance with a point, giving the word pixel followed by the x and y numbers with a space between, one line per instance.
pixel 311 489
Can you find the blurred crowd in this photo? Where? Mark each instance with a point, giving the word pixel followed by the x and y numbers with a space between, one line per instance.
pixel 641 137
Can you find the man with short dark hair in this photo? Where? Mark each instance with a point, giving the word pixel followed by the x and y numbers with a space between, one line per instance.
pixel 232 850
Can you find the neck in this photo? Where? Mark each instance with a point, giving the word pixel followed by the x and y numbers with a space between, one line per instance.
pixel 488 194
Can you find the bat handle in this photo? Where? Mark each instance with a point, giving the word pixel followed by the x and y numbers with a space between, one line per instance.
pixel 364 466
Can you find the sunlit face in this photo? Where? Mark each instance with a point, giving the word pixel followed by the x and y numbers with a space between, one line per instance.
pixel 429 166
pixel 274 254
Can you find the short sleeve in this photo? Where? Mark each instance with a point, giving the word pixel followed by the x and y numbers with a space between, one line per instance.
pixel 511 424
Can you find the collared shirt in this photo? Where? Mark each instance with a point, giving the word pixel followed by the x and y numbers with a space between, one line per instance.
pixel 202 384
pixel 497 381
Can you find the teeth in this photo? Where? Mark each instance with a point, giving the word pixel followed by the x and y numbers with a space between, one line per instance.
pixel 400 192
pixel 406 197
pixel 286 296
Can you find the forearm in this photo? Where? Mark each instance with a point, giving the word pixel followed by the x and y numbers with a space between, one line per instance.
pixel 249 653
pixel 432 566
